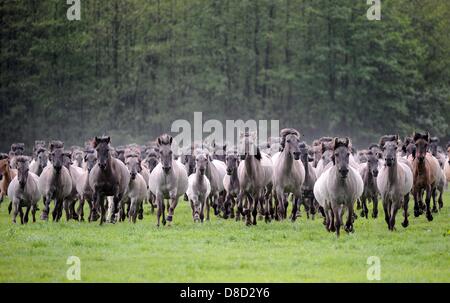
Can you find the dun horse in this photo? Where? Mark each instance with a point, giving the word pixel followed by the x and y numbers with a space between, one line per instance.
pixel 109 177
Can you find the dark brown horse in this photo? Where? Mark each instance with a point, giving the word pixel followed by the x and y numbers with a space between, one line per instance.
pixel 425 169
pixel 109 177
pixel 6 176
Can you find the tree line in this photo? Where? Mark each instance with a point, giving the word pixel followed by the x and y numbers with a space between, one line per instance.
pixel 130 68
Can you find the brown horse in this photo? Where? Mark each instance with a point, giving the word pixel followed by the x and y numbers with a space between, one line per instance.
pixel 6 176
pixel 425 169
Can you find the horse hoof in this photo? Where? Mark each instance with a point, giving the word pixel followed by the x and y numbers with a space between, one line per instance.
pixel 430 217
pixel 434 210
pixel 416 213
pixel 405 224
pixel 164 222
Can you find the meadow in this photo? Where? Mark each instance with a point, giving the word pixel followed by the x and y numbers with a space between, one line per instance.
pixel 225 250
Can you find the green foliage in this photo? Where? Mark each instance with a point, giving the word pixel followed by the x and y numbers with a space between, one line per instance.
pixel 130 68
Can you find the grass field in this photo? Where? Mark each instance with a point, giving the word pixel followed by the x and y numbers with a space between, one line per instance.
pixel 225 251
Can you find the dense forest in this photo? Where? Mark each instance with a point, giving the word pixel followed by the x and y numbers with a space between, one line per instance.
pixel 129 68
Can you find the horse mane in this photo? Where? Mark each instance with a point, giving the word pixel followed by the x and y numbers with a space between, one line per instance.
pixel 22 159
pixel 418 136
pixel 40 149
pixel 325 139
pixel 16 146
pixel 326 146
pixel 56 144
pixel 165 139
pixel 129 152
pixel 373 145
pixel 338 142
pixel 287 131
pixel 387 138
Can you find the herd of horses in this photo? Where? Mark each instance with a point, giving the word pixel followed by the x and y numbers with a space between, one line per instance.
pixel 247 182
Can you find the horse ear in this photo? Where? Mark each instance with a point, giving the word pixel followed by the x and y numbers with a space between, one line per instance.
pixel 347 141
pixel 224 147
pixel 396 137
pixel 159 141
pixel 170 140
pixel 108 139
pixel 335 141
pixel 427 136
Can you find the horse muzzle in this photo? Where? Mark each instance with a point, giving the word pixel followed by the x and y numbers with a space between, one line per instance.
pixel 344 172
pixel 133 176
pixel 102 166
pixel 389 162
pixel 166 169
pixel 229 171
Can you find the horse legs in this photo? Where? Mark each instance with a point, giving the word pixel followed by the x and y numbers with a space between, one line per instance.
pixel 227 206
pixel 375 206
pixel 433 195
pixel 416 203
pixel 66 208
pixel 358 205
pixel 281 203
pixel 386 208
pixel 80 210
pixel 364 211
pixel 331 226
pixel 160 209
pixel 337 220
pixel 394 209
pixel 233 203
pixel 100 203
pixel 55 210
pixel 26 214
pixel 21 215
pixel 405 222
pixel 440 202
pixel 427 201
pixel 16 210
pixel 268 207
pixel 33 212
pixel 349 223
pixel 46 210
pixel 208 205
pixel 252 209
pixel 295 202
pixel 173 204
pixel 73 213
pixel 9 207
pixel 240 207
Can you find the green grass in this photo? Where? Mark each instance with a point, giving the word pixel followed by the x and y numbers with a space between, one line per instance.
pixel 225 251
